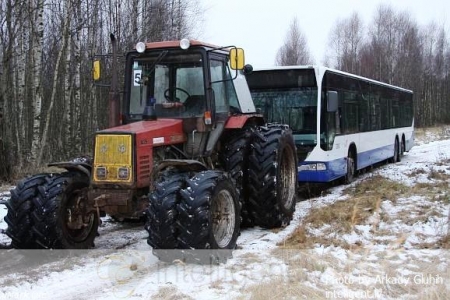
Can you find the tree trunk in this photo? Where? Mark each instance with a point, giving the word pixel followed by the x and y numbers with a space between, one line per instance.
pixel 65 42
pixel 37 90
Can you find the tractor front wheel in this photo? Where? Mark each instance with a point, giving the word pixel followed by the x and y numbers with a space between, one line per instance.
pixel 20 208
pixel 161 213
pixel 208 217
pixel 61 217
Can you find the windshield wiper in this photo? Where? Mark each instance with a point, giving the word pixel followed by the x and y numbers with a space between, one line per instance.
pixel 152 68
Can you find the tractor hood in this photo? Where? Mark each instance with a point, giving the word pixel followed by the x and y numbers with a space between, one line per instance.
pixel 152 133
pixel 129 149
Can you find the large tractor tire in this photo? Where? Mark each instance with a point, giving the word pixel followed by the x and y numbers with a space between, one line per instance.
pixel 161 214
pixel 234 158
pixel 208 217
pixel 273 176
pixel 61 219
pixel 20 207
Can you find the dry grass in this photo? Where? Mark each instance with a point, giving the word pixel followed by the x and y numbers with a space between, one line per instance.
pixel 342 216
pixel 364 200
pixel 432 133
pixel 281 288
pixel 170 293
pixel 28 171
pixel 303 279
pixel 438 175
pixel 4 188
pixel 417 172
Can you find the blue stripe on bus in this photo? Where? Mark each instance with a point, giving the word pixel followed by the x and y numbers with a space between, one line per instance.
pixel 371 157
pixel 338 168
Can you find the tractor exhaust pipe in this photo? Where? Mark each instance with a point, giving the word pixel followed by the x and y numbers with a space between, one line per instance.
pixel 113 103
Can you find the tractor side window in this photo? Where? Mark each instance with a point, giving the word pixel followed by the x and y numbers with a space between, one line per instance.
pixel 222 86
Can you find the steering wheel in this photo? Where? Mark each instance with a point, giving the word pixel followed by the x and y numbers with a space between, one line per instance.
pixel 166 94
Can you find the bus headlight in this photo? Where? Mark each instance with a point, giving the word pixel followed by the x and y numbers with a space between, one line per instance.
pixel 321 167
pixel 313 167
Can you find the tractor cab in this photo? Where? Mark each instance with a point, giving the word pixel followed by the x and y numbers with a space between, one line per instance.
pixel 183 79
pixel 199 83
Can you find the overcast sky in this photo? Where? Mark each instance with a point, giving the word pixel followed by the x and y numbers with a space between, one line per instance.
pixel 260 26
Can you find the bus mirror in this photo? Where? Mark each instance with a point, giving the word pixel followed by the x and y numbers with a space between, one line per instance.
pixel 96 70
pixel 332 101
pixel 237 59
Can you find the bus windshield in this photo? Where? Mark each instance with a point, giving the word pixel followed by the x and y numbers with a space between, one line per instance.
pixel 296 107
pixel 288 97
pixel 172 81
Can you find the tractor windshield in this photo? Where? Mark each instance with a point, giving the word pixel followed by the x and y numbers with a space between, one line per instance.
pixel 172 80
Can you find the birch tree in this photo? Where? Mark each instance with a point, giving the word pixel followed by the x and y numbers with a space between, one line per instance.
pixel 294 50
pixel 65 41
pixel 345 42
pixel 38 35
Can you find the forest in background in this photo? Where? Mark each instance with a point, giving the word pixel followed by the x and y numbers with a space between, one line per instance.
pixel 50 109
pixel 391 48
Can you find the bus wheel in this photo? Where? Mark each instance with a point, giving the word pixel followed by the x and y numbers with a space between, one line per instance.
pixel 396 157
pixel 350 176
pixel 402 150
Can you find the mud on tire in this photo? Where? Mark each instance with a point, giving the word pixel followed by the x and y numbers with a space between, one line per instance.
pixel 62 199
pixel 20 207
pixel 272 176
pixel 208 217
pixel 162 213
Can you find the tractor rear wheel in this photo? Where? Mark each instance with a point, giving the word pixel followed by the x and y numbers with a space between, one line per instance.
pixel 161 213
pixel 273 176
pixel 61 217
pixel 234 158
pixel 208 217
pixel 20 207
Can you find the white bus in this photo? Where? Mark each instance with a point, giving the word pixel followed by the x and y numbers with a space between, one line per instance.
pixel 352 123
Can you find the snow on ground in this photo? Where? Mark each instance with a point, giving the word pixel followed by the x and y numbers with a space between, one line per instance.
pixel 395 253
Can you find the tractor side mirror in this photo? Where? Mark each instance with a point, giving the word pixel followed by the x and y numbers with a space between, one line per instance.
pixel 237 58
pixel 96 70
pixel 332 101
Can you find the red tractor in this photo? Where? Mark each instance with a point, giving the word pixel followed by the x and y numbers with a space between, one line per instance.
pixel 187 149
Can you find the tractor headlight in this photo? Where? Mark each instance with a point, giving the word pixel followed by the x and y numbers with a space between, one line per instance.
pixel 123 173
pixel 101 172
pixel 185 44
pixel 140 47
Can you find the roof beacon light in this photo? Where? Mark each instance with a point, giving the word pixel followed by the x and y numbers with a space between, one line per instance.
pixel 140 47
pixel 184 44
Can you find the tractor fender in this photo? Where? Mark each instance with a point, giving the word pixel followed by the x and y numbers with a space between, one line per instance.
pixel 239 121
pixel 82 164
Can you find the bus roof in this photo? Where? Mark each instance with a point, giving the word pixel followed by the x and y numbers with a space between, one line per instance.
pixel 322 70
